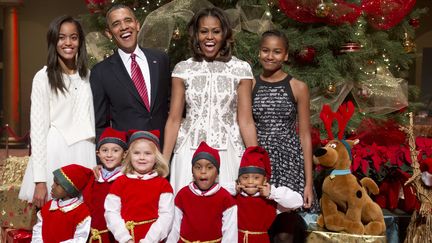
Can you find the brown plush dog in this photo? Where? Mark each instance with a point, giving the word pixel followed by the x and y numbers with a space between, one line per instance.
pixel 345 203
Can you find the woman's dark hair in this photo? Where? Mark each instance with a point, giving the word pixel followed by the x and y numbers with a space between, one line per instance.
pixel 275 33
pixel 225 52
pixel 54 70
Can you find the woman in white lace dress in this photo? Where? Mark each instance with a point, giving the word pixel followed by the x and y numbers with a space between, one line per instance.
pixel 61 113
pixel 215 88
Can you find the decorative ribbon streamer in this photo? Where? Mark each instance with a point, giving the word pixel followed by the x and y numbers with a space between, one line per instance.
pixel 253 18
pixel 94 41
pixel 319 97
pixel 157 29
pixel 381 14
pixel 381 93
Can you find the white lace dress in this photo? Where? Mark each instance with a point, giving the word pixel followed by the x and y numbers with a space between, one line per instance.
pixel 62 130
pixel 211 116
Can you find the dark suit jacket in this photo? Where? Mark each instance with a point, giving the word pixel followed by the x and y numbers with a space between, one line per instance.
pixel 116 99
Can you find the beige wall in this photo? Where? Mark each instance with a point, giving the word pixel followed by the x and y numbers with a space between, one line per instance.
pixel 34 18
pixel 423 38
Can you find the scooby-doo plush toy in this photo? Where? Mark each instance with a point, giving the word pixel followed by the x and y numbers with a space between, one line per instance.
pixel 345 203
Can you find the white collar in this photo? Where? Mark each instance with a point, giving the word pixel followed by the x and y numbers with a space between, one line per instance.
pixel 66 205
pixel 126 56
pixel 115 174
pixel 148 176
pixel 215 188
pixel 244 194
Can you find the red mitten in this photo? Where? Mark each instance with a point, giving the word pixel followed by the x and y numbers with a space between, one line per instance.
pixel 389 194
pixel 393 194
pixel 410 201
pixel 381 199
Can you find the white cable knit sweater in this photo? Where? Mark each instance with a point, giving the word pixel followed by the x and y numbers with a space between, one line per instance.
pixel 71 113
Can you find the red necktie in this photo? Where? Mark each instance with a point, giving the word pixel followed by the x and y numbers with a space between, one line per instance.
pixel 139 81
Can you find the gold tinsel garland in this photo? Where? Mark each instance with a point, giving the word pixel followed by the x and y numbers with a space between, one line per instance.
pixel 14 213
pixel 420 227
pixel 12 170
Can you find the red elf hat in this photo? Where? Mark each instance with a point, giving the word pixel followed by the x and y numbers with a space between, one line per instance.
pixel 110 135
pixel 206 152
pixel 152 136
pixel 73 178
pixel 255 159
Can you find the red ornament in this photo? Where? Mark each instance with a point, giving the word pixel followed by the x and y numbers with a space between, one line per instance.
pixel 414 23
pixel 306 55
pixel 350 47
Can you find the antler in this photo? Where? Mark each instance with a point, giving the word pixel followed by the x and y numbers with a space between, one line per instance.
pixel 327 117
pixel 343 115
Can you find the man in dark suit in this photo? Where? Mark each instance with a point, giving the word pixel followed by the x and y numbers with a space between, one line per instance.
pixel 120 99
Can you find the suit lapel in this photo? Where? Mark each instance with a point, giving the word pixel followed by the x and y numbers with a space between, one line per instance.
pixel 123 76
pixel 154 75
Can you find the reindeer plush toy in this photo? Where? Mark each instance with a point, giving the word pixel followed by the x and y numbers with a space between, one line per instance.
pixel 345 203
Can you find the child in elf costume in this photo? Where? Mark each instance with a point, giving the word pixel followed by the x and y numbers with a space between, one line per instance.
pixel 65 218
pixel 258 202
pixel 111 150
pixel 140 204
pixel 204 211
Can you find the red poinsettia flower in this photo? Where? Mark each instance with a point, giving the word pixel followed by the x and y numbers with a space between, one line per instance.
pixel 361 157
pixel 398 155
pixel 424 145
pixel 377 154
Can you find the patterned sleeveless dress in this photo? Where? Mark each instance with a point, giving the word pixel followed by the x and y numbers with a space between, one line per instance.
pixel 275 114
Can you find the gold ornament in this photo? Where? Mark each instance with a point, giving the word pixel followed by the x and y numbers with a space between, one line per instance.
pixel 322 10
pixel 176 34
pixel 408 44
pixel 331 89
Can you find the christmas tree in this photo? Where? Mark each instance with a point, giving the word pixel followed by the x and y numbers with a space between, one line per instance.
pixel 358 50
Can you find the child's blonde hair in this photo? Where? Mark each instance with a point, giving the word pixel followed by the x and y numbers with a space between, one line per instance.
pixel 161 165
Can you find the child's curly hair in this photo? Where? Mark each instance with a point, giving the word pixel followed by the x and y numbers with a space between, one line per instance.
pixel 161 165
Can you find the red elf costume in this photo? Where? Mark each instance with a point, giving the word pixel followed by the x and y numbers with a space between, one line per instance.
pixel 98 190
pixel 140 207
pixel 66 220
pixel 204 216
pixel 256 213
